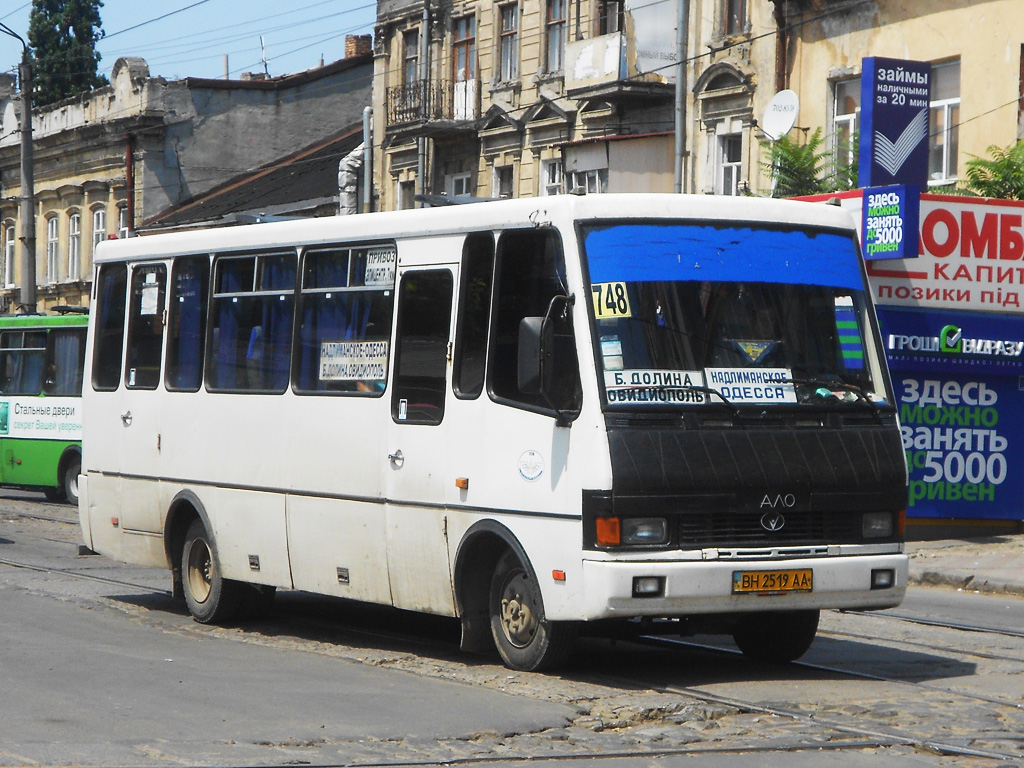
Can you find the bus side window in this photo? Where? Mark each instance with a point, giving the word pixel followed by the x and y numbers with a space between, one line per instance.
pixel 474 312
pixel 251 323
pixel 111 291
pixel 65 354
pixel 421 347
pixel 146 326
pixel 22 358
pixel 345 314
pixel 186 323
pixel 529 273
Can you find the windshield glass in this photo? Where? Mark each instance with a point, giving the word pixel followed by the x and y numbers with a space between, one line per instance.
pixel 694 313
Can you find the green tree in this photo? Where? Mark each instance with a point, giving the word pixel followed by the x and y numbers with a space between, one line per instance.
pixel 807 169
pixel 1001 175
pixel 62 35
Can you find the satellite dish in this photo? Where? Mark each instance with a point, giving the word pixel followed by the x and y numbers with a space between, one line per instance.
pixel 780 114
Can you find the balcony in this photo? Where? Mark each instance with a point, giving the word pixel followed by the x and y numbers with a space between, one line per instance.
pixel 439 106
pixel 615 68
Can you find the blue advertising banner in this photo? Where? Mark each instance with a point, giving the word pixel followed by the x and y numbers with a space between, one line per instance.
pixel 891 222
pixel 895 95
pixel 960 389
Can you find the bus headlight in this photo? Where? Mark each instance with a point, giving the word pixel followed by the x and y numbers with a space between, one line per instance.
pixel 644 530
pixel 877 525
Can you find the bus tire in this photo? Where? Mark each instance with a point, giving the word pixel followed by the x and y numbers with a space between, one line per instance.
pixel 524 640
pixel 209 596
pixel 776 637
pixel 69 480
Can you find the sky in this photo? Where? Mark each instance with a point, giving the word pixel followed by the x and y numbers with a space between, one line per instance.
pixel 189 38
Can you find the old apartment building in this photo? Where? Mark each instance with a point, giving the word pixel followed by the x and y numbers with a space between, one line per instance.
pixel 499 98
pixel 117 156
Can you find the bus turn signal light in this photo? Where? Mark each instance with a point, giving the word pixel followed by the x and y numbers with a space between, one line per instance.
pixel 609 532
pixel 462 482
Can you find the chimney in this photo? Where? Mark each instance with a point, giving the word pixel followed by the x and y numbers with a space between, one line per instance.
pixel 358 45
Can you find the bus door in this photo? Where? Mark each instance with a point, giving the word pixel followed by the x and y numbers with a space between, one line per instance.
pixel 139 442
pixel 417 475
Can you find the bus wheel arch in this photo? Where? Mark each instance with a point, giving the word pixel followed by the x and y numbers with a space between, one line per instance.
pixel 184 510
pixel 499 601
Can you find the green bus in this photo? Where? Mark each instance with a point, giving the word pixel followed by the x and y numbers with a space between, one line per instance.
pixel 41 363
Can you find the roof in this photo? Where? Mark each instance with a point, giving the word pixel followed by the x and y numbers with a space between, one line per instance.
pixel 294 183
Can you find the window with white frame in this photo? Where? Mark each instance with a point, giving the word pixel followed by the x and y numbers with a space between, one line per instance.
pixel 52 245
pixel 730 167
pixel 944 133
pixel 75 246
pixel 845 122
pixel 123 224
pixel 459 185
pixel 9 240
pixel 551 177
pixel 592 182
pixel 555 36
pixel 99 227
pixel 508 42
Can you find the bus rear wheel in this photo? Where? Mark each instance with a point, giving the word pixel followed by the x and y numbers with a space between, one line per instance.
pixel 210 597
pixel 524 640
pixel 776 637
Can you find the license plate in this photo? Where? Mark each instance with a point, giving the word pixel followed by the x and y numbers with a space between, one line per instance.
pixel 773 582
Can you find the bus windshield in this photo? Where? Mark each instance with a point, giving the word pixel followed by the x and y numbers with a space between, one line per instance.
pixel 696 313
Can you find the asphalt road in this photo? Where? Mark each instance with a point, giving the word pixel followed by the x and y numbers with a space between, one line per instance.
pixel 100 667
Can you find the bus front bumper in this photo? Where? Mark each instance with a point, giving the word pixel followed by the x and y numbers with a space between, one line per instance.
pixel 617 589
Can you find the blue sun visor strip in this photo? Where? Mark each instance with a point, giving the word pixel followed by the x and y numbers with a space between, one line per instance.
pixel 652 252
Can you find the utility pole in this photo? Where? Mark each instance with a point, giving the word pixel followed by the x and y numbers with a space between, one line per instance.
pixel 682 31
pixel 28 192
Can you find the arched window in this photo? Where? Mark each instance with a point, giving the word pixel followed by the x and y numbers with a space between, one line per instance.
pixel 99 227
pixel 9 241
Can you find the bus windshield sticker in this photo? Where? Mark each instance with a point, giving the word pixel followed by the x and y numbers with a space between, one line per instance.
pixel 353 360
pixel 611 352
pixel 610 301
pixel 380 266
pixel 753 385
pixel 668 387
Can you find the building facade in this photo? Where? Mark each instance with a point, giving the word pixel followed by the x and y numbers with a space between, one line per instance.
pixel 976 52
pixel 114 157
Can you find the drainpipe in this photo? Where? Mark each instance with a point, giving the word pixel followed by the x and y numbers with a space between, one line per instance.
pixel 367 160
pixel 129 177
pixel 421 142
pixel 781 45
pixel 682 24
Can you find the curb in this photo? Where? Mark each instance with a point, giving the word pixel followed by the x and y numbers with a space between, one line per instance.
pixel 965 581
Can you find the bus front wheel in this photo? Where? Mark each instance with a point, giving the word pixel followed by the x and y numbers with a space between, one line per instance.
pixel 776 637
pixel 210 597
pixel 524 640
pixel 69 485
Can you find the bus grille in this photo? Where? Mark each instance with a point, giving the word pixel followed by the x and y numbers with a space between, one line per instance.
pixel 743 527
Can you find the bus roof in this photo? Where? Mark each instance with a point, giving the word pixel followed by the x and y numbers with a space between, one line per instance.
pixel 455 219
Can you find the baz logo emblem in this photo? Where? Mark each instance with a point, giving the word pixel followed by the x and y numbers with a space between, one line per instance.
pixel 788 501
pixel 772 521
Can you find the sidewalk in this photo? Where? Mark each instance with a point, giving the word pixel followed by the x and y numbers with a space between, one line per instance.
pixel 993 564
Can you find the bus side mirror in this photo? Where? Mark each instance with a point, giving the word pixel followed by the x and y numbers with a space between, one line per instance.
pixel 547 359
pixel 531 332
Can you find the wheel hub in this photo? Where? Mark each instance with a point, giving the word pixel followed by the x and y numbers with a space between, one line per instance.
pixel 517 617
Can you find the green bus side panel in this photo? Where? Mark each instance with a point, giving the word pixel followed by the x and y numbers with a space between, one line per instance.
pixel 32 462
